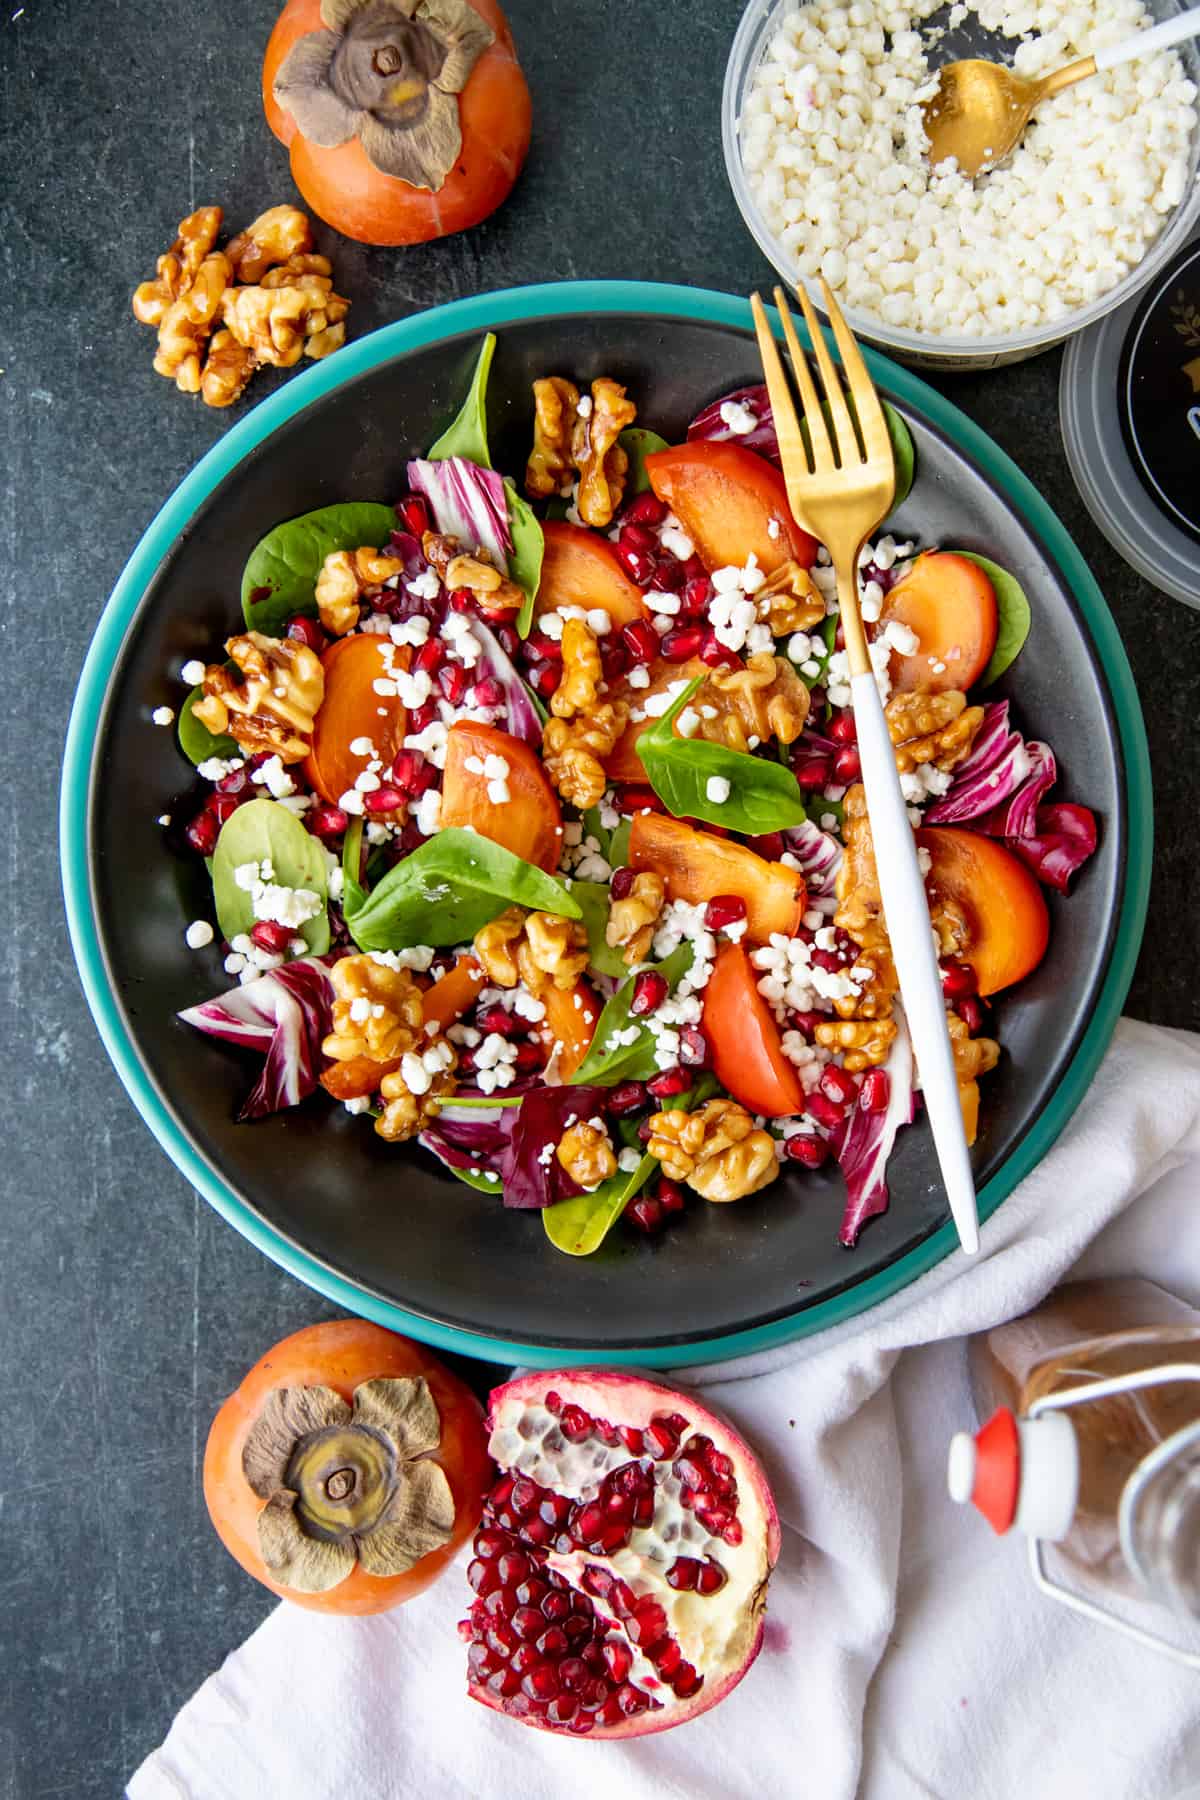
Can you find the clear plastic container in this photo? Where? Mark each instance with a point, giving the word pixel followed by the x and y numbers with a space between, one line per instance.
pixel 926 349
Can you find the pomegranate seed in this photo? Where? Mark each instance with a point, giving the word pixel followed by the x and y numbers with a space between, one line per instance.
pixel 631 1700
pixel 524 1658
pixel 415 514
pixel 644 509
pixel 580 1724
pixel 590 1522
pixel 669 1083
pixel 269 935
pixel 649 991
pixel 662 1438
pixel 684 643
pixel 327 821
pixel 618 1658
pixel 489 1543
pixel 453 680
pixel 527 1623
pixel 669 576
pixel 504 1682
pixel 627 1097
pixel 683 1574
pixel 462 600
pixel 809 1152
pixel 308 632
pixel 513 1566
pixel 843 730
pixel 638 564
pixel 633 536
pixel 827 959
pixel 555 1607
pixel 524 1497
pixel 575 1423
pixel 487 692
pixel 562 1710
pixel 385 799
pixel 554 1402
pixel 507 639
pixel 201 834
pixel 573 1673
pixel 429 657
pixel 545 680
pixel 716 654
pixel 234 783
pixel 671 1198
pixel 823 1111
pixel 412 774
pixel 631 1437
pixel 958 980
pixel 805 1022
pixel 499 1020
pixel 640 640
pixel 482 1576
pixel 837 1085
pixel 538 1531
pixel 875 1092
pixel 621 883
pixel 770 846
pixel 502 1638
pixel 646 1213
pixel 732 1532
pixel 543 648
pixel 723 910
pixel 500 1602
pixel 711 1579
pixel 529 1058
pixel 694 1048
pixel 222 806
pixel 422 716
pixel 847 766
pixel 640 799
pixel 811 769
pixel 668 1658
pixel 696 595
pixel 970 1011
pixel 613 658
pixel 687 1682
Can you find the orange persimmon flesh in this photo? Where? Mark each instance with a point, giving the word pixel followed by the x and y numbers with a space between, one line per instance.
pixel 999 897
pixel 732 503
pixel 571 1015
pixel 950 604
pixel 696 867
pixel 580 568
pixel 351 709
pixel 529 822
pixel 623 762
pixel 747 1050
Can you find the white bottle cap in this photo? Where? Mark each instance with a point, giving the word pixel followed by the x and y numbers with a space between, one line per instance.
pixel 1049 1491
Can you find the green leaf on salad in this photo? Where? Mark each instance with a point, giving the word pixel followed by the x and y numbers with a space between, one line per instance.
pixel 354 894
pixel 196 741
pixel 762 795
pixel 618 849
pixel 484 1184
pixel 592 899
pixel 1013 616
pixel 263 831
pixel 447 890
pixel 638 444
pixel 467 435
pixel 593 827
pixel 280 577
pixel 525 558
pixel 633 1061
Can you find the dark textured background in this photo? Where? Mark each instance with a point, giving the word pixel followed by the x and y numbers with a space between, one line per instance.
pixel 127 1309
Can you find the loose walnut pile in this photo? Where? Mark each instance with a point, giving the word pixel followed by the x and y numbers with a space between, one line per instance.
pixel 574 432
pixel 718 1150
pixel 273 704
pixel 537 949
pixel 222 314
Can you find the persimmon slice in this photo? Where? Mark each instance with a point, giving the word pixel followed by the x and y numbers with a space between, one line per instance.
pixel 696 866
pixel 999 898
pixel 747 1050
pixel 352 710
pixel 731 502
pixel 950 604
pixel 580 568
pixel 529 822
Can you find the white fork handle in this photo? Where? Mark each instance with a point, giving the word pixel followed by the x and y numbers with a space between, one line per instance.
pixel 1144 43
pixel 906 912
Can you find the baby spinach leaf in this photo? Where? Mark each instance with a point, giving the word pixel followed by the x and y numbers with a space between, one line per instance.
pixel 904 453
pixel 618 849
pixel 467 435
pixel 263 831
pixel 1013 616
pixel 633 1061
pixel 483 1184
pixel 196 741
pixel 580 1225
pixel 447 890
pixel 592 827
pixel 525 560
pixel 592 898
pixel 280 577
pixel 638 444
pixel 354 894
pixel 762 795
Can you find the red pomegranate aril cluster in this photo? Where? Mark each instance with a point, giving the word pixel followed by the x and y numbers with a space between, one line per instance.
pixel 269 935
pixel 649 991
pixel 724 910
pixel 412 774
pixel 708 1488
pixel 688 1574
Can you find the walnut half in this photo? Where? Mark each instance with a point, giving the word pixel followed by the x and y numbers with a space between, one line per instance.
pixel 347 578
pixel 718 1150
pixel 586 1153
pixel 273 706
pixel 574 432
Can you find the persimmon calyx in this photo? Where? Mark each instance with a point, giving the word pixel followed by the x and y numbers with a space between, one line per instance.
pixel 346 1485
pixel 389 73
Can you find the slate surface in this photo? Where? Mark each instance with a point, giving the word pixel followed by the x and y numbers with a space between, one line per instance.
pixel 127 1309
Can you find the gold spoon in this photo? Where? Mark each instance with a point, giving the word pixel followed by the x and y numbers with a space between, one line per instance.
pixel 980 109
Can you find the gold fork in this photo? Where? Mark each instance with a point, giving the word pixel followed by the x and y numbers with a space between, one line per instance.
pixel 840 488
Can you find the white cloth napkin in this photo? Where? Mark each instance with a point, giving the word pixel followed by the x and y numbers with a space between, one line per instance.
pixel 907 1653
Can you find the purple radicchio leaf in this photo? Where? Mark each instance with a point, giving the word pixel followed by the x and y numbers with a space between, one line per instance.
pixel 522 719
pixel 818 853
pixel 999 762
pixel 533 1175
pixel 869 1138
pixel 1065 835
pixel 474 1138
pixel 1016 817
pixel 469 503
pixel 711 427
pixel 285 1013
pixel 409 598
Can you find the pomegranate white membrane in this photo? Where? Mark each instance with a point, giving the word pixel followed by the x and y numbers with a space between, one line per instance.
pixel 622 1561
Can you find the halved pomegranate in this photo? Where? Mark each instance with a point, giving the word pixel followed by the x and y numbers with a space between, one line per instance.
pixel 621 1565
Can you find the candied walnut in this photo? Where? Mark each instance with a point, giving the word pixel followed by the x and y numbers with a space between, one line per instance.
pixel 324 343
pixel 874 972
pixel 177 269
pixel 228 368
pixel 347 578
pixel 860 904
pixel 572 751
pixel 972 1057
pixel 586 1153
pixel 272 238
pixel 718 1150
pixel 790 600
pixel 274 322
pixel 187 324
pixel 554 949
pixel 377 1011
pixel 490 586
pixel 548 470
pixel 602 463
pixel 765 698
pixel 932 728
pixel 495 946
pixel 865 1042
pixel 295 266
pixel 439 551
pixel 582 673
pixel 273 706
pixel 413 1094
pixel 631 919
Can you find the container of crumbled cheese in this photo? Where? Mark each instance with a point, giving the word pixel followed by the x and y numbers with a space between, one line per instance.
pixel 824 147
pixel 1129 400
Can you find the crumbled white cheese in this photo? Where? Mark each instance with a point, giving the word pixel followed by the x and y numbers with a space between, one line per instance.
pixel 740 418
pixel 628 1160
pixel 216 768
pixel 360 1104
pixel 675 540
pixel 414 631
pixel 192 672
pixel 274 777
pixel 163 715
pixel 427 813
pixel 716 789
pixel 198 934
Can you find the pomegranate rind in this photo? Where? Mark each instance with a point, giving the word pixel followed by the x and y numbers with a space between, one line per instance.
pixel 631 1399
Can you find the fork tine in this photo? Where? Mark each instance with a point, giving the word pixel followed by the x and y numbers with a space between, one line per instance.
pixel 839 413
pixel 823 457
pixel 871 423
pixel 787 426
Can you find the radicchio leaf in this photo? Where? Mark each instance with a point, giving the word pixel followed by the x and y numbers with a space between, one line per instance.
pixel 522 716
pixel 469 503
pixel 1064 837
pixel 819 855
pixel 1017 817
pixel 999 762
pixel 533 1175
pixel 710 426
pixel 471 1138
pixel 286 1013
pixel 869 1139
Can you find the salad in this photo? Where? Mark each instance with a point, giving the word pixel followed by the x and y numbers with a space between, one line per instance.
pixel 533 815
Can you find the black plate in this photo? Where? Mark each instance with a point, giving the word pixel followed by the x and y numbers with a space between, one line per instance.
pixel 316 1187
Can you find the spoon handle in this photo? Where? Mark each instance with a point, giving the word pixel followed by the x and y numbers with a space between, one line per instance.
pixel 1143 43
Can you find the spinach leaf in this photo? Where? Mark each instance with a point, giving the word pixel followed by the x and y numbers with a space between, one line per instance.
pixel 618 850
pixel 196 741
pixel 592 898
pixel 762 796
pixel 447 890
pixel 633 1061
pixel 592 827
pixel 354 894
pixel 467 435
pixel 525 560
pixel 263 831
pixel 280 577
pixel 638 444
pixel 481 1183
pixel 580 1225
pixel 1013 616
